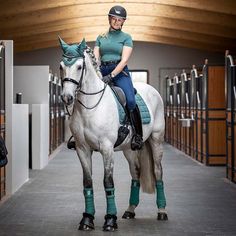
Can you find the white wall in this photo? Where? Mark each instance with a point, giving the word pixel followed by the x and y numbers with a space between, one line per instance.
pixel 40 135
pixel 20 146
pixel 150 56
pixel 32 82
pixel 16 130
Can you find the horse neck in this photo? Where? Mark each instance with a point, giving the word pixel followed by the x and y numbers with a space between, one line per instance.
pixel 91 81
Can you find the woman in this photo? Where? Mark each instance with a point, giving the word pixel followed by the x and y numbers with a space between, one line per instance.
pixel 114 49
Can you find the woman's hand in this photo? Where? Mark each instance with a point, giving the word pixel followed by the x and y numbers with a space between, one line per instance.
pixel 107 79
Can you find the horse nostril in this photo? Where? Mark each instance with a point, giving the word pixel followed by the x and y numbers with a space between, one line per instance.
pixel 70 99
pixel 67 99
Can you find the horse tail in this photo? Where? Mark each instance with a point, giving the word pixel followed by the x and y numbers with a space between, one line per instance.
pixel 147 178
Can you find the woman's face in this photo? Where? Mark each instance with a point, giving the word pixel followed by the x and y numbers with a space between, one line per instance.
pixel 116 22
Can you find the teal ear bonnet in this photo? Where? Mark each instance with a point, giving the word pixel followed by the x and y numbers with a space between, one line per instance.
pixel 71 53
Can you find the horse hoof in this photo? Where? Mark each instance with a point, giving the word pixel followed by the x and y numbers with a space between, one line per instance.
pixel 109 228
pixel 86 224
pixel 128 215
pixel 162 216
pixel 85 228
pixel 110 223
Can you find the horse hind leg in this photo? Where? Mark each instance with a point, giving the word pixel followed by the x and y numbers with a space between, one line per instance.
pixel 134 168
pixel 156 143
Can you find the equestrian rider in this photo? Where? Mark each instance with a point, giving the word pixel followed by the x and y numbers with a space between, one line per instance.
pixel 114 49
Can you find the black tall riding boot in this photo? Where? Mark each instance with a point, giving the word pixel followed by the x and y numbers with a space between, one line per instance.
pixel 136 122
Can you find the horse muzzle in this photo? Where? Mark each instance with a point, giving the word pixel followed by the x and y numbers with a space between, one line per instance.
pixel 67 99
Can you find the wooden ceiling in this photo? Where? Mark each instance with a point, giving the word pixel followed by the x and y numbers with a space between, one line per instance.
pixel 202 24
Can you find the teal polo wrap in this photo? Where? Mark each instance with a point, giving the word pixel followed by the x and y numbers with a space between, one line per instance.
pixel 134 193
pixel 89 201
pixel 111 205
pixel 160 195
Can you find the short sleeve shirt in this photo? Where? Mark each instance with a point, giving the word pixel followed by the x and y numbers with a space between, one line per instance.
pixel 111 45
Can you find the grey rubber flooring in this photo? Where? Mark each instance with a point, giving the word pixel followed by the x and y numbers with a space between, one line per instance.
pixel 200 201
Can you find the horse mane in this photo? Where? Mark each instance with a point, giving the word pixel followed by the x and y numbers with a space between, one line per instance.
pixel 92 57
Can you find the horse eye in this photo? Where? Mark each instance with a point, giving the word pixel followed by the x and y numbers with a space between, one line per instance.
pixel 79 67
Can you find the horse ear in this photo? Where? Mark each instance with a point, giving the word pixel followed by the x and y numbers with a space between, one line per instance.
pixel 81 47
pixel 83 44
pixel 63 44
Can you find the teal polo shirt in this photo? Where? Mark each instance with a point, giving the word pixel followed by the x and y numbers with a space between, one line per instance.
pixel 111 45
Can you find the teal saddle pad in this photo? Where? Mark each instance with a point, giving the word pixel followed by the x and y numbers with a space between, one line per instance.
pixel 145 114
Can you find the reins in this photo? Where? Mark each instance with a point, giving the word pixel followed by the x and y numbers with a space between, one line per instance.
pixel 101 91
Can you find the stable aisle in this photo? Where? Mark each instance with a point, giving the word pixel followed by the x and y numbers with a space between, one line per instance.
pixel 200 201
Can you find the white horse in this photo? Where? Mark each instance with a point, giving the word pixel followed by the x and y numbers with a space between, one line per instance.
pixel 94 125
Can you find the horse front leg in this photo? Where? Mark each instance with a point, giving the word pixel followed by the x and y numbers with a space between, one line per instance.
pixel 110 217
pixel 85 156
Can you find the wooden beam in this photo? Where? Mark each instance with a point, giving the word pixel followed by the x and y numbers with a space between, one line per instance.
pixel 14 7
pixel 101 9
pixel 156 31
pixel 179 42
pixel 90 34
pixel 137 37
pixel 180 34
pixel 148 21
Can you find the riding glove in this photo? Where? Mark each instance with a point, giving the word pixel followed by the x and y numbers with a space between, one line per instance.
pixel 107 79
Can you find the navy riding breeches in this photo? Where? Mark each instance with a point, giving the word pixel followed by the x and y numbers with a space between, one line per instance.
pixel 122 80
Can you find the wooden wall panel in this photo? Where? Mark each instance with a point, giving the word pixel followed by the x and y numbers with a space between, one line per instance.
pixel 216 95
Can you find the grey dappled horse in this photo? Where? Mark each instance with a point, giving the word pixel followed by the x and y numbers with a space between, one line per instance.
pixel 94 125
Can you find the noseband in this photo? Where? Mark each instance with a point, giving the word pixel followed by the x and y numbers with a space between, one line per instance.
pixel 79 84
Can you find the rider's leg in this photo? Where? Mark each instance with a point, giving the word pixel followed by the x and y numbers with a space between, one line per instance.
pixel 125 83
pixel 123 80
pixel 137 139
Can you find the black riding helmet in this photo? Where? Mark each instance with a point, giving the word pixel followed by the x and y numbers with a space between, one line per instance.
pixel 118 11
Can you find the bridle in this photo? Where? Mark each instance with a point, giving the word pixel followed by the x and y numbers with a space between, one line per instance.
pixel 79 85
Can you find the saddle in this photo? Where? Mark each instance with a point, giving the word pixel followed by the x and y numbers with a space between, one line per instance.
pixel 127 117
pixel 120 95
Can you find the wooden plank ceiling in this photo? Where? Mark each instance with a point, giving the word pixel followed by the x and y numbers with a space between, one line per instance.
pixel 201 24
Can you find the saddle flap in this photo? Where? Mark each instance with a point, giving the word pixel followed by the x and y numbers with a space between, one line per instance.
pixel 119 94
pixel 120 98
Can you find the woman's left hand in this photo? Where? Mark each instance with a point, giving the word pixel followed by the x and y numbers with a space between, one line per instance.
pixel 107 79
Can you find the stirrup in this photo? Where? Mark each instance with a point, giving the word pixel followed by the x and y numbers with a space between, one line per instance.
pixel 122 134
pixel 136 142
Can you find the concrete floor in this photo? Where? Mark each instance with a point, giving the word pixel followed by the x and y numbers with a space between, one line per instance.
pixel 200 201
